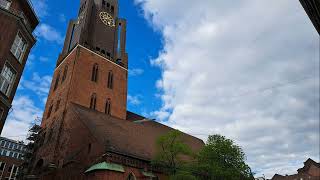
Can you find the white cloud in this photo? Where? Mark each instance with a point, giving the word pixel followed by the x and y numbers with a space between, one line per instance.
pixel 44 59
pixel 134 100
pixel 41 7
pixel 39 85
pixel 239 69
pixel 62 18
pixel 23 115
pixel 135 72
pixel 49 33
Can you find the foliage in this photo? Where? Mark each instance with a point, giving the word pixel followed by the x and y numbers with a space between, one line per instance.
pixel 183 175
pixel 171 152
pixel 221 158
pixel 35 141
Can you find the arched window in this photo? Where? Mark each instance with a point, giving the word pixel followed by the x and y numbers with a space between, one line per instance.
pixel 89 148
pixel 108 107
pixel 49 111
pixel 112 10
pixel 93 101
pixel 110 80
pixel 94 75
pixel 131 177
pixel 65 72
pixel 57 81
pixel 58 105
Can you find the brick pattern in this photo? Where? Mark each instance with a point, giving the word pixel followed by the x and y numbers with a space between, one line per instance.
pixel 11 24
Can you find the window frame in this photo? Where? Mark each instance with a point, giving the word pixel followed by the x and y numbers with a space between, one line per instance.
pixel 93 101
pixel 108 107
pixel 110 80
pixel 95 73
pixel 16 46
pixel 65 73
pixel 5 80
pixel 56 83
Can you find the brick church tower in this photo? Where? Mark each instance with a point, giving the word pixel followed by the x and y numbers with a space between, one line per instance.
pixel 86 124
pixel 92 69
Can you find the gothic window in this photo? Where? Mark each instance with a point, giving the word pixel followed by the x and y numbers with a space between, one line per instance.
pixel 19 47
pixel 108 5
pixel 65 72
pixel 131 177
pixel 57 105
pixel 57 82
pixel 89 148
pixel 7 78
pixel 49 111
pixel 93 101
pixel 94 75
pixel 108 107
pixel 110 80
pixel 112 10
pixel 103 2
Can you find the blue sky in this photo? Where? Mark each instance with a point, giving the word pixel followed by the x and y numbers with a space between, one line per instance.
pixel 245 69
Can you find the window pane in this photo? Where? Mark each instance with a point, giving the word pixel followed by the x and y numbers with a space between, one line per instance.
pixel 18 47
pixel 5 4
pixel 7 79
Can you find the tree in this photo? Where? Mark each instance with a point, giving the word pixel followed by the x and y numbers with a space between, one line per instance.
pixel 35 141
pixel 171 152
pixel 221 159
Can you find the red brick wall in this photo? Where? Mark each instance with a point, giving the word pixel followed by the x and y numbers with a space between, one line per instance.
pixel 314 171
pixel 78 87
pixel 82 86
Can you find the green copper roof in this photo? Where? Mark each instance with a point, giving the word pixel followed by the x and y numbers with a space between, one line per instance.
pixel 148 174
pixel 106 166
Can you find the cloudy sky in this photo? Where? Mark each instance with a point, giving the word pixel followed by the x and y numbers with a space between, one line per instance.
pixel 245 69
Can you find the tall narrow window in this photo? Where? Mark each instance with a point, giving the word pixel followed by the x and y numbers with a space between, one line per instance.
pixel 65 72
pixel 56 82
pixel 110 80
pixel 119 39
pixel 58 105
pixel 108 107
pixel 93 101
pixel 5 4
pixel 7 78
pixel 19 47
pixel 49 111
pixel 112 10
pixel 94 75
pixel 2 166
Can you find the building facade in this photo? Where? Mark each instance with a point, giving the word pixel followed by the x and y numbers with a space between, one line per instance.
pixel 88 132
pixel 310 171
pixel 312 8
pixel 11 157
pixel 18 21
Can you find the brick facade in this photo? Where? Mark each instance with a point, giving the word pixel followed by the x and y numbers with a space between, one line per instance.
pixel 310 171
pixel 12 23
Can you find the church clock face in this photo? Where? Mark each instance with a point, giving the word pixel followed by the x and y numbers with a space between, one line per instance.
pixel 107 19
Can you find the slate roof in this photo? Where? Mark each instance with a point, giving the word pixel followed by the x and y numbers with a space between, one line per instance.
pixel 126 136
